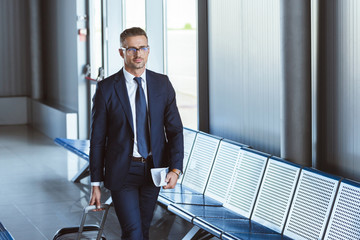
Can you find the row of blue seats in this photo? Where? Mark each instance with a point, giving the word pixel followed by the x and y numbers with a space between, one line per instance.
pixel 234 192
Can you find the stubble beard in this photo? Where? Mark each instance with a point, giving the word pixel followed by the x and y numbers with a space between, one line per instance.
pixel 135 65
pixel 139 66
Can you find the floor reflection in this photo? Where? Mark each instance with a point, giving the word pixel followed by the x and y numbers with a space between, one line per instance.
pixel 37 197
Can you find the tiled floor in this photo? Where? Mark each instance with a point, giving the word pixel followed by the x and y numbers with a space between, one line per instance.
pixel 37 198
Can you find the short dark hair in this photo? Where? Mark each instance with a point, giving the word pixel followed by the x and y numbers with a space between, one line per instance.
pixel 131 32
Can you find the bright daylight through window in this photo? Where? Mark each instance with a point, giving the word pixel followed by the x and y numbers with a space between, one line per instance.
pixel 182 57
pixel 138 19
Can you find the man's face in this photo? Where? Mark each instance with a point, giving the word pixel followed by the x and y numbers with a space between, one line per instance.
pixel 135 60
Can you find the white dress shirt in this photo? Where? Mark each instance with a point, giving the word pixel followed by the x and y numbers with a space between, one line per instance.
pixel 131 86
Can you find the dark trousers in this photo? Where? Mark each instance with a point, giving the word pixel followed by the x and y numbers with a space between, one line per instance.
pixel 135 202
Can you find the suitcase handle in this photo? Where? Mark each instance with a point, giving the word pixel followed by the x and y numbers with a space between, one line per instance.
pixel 93 207
pixel 105 208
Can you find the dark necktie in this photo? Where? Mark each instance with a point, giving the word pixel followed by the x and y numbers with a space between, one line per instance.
pixel 142 127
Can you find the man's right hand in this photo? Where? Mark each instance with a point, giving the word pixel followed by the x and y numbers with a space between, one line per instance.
pixel 95 197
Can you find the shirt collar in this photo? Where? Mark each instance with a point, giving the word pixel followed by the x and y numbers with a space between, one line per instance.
pixel 130 78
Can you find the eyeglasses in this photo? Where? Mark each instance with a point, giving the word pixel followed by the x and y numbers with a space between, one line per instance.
pixel 132 51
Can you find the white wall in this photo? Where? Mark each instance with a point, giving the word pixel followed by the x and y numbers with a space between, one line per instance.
pixel 54 122
pixel 14 110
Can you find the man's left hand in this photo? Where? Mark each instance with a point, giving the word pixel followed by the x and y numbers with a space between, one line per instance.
pixel 171 179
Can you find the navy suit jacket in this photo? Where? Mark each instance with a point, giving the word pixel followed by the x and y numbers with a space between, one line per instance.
pixel 112 134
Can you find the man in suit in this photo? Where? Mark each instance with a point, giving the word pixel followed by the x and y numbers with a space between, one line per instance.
pixel 135 126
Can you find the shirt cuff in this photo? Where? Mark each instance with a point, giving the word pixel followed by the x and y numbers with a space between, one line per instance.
pixel 96 184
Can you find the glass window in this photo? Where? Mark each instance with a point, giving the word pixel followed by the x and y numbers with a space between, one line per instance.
pixel 134 13
pixel 182 57
pixel 96 44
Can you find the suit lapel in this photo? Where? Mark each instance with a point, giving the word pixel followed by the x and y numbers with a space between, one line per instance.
pixel 152 96
pixel 121 91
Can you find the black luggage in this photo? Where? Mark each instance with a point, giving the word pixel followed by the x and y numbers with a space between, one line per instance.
pixel 83 231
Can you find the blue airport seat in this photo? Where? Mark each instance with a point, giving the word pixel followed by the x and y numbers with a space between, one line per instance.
pixel 223 169
pixel 81 148
pixel 311 206
pixel 243 186
pixel 345 217
pixel 217 226
pixel 253 236
pixel 271 207
pixel 4 233
pixel 276 193
pixel 189 139
pixel 189 212
pixel 246 180
pixel 200 162
pixel 175 194
pixel 196 173
pixel 218 184
pixel 193 199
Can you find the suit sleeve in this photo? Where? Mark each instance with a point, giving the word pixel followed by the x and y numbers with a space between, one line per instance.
pixel 174 130
pixel 98 136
